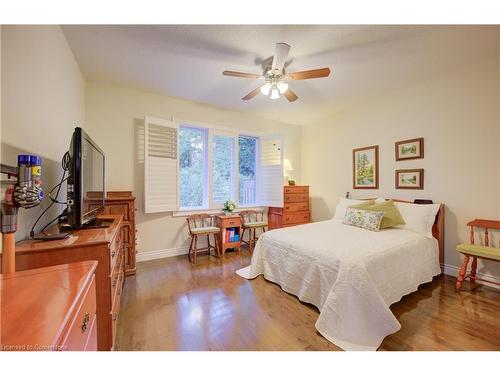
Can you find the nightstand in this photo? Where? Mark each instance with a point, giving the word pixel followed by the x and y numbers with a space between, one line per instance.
pixel 230 232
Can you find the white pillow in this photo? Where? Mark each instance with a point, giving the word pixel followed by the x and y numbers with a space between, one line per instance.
pixel 341 208
pixel 418 217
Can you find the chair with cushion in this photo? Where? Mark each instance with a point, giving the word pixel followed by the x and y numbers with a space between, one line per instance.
pixel 473 251
pixel 202 225
pixel 251 221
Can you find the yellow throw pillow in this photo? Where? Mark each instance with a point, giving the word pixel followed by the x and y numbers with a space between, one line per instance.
pixel 392 216
pixel 365 204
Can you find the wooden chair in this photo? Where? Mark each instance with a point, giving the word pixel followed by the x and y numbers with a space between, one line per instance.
pixel 202 225
pixel 475 251
pixel 252 220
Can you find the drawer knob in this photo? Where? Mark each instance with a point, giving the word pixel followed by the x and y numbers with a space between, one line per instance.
pixel 85 322
pixel 113 253
pixel 287 207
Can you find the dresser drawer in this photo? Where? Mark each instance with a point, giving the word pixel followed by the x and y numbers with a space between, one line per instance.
pixel 296 198
pixel 296 190
pixel 235 222
pixel 116 307
pixel 115 248
pixel 81 326
pixel 117 270
pixel 91 344
pixel 296 218
pixel 296 207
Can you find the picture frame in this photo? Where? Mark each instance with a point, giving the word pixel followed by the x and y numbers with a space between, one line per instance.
pixel 409 179
pixel 409 149
pixel 365 168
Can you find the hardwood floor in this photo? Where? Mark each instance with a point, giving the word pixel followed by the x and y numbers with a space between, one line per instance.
pixel 173 305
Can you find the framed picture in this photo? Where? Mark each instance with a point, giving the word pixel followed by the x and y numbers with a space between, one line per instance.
pixel 410 179
pixel 410 149
pixel 365 168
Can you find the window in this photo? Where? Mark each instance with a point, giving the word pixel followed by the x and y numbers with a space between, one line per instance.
pixel 193 162
pixel 247 170
pixel 222 168
pixel 192 167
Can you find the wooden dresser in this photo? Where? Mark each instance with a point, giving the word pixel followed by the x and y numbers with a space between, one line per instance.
pixel 123 202
pixel 50 308
pixel 295 208
pixel 101 244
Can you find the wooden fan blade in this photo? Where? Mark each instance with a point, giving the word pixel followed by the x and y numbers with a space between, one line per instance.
pixel 308 74
pixel 290 95
pixel 252 94
pixel 231 73
pixel 280 55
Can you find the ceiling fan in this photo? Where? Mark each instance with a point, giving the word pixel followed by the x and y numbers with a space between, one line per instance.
pixel 275 76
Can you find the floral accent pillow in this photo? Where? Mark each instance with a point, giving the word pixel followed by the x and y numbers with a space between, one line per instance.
pixel 369 220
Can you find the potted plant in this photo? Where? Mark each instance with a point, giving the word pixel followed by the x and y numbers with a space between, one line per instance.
pixel 229 207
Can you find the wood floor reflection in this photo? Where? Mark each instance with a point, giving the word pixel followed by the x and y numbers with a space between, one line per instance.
pixel 171 305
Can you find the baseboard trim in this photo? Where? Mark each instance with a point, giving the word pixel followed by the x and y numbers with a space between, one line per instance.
pixel 453 271
pixel 162 253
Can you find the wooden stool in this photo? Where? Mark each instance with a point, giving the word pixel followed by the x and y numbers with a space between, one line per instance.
pixel 201 225
pixel 474 251
pixel 252 220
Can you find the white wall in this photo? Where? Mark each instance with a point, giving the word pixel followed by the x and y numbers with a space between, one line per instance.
pixel 43 99
pixel 456 113
pixel 114 114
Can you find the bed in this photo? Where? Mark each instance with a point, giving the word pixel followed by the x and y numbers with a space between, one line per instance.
pixel 351 275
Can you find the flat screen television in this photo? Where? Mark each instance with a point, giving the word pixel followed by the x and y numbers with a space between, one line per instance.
pixel 86 188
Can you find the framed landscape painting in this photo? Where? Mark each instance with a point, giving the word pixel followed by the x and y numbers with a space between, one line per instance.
pixel 410 179
pixel 365 168
pixel 410 149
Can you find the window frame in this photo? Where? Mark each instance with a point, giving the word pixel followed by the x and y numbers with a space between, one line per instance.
pixel 234 188
pixel 206 168
pixel 257 153
pixel 211 130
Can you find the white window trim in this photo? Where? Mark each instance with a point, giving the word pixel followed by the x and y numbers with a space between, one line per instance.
pixel 211 130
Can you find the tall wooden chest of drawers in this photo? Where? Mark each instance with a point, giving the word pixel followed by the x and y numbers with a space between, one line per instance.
pixel 295 208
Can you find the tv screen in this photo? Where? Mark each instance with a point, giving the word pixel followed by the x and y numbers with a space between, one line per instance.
pixel 86 181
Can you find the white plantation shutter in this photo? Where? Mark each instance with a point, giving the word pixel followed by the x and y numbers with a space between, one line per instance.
pixel 161 166
pixel 271 171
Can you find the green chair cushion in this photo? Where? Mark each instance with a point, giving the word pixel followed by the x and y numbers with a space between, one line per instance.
pixel 205 230
pixel 392 216
pixel 479 251
pixel 255 224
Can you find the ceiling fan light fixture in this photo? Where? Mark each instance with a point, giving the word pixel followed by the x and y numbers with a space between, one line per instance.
pixel 265 89
pixel 275 94
pixel 282 87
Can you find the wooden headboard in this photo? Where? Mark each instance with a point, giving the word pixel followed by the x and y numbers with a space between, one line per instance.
pixel 437 230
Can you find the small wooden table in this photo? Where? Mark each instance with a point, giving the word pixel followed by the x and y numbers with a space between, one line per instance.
pixel 226 222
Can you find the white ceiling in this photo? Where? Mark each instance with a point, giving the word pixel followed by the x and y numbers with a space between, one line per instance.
pixel 186 61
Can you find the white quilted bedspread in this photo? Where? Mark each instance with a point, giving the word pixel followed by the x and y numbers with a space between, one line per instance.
pixel 352 275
